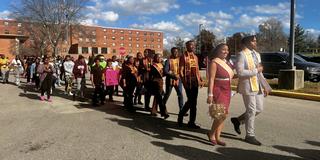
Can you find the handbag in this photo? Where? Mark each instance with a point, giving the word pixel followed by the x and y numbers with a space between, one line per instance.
pixel 217 111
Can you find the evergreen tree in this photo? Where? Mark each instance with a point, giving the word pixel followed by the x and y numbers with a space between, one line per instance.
pixel 300 39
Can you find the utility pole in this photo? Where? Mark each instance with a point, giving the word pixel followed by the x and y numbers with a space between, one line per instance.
pixel 291 78
pixel 200 29
pixel 292 30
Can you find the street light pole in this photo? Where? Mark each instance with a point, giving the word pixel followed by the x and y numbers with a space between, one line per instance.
pixel 292 30
pixel 200 28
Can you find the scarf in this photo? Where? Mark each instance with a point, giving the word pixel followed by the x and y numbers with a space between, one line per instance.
pixel 225 66
pixel 190 61
pixel 174 68
pixel 251 66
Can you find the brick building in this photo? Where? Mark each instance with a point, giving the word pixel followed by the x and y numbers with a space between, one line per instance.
pixel 84 40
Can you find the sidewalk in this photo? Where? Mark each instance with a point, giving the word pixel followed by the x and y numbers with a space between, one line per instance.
pixel 282 93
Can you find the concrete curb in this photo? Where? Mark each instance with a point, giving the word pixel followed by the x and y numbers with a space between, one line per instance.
pixel 305 96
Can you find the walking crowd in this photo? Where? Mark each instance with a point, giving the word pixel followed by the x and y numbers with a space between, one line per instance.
pixel 143 74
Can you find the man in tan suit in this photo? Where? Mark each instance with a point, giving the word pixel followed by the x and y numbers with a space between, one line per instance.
pixel 249 72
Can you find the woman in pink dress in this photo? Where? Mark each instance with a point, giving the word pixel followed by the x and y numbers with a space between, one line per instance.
pixel 219 89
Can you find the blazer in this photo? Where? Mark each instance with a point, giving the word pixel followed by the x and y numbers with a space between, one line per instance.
pixel 244 74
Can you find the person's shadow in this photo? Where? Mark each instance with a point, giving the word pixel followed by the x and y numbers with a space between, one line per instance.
pixel 312 154
pixel 223 153
pixel 155 127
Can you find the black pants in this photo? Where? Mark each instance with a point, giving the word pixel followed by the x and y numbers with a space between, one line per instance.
pixel 116 90
pixel 159 99
pixel 137 94
pixel 147 97
pixel 192 95
pixel 36 80
pixel 110 91
pixel 98 92
pixel 128 96
pixel 28 75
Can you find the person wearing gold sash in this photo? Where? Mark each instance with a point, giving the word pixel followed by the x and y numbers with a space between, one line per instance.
pixel 219 89
pixel 145 69
pixel 191 80
pixel 156 86
pixel 129 74
pixel 172 73
pixel 249 69
pixel 4 68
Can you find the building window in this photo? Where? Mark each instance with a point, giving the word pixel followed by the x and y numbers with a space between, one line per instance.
pixel 80 34
pixel 64 50
pixel 145 46
pixel 151 34
pixel 113 44
pixel 137 32
pixel 130 45
pixel 145 39
pixel 130 32
pixel 6 31
pixel 137 45
pixel 93 32
pixel 121 31
pixel 104 50
pixel 19 32
pixel 121 38
pixel 159 46
pixel 105 37
pixel 114 51
pixel 95 50
pixel 113 31
pixel 87 40
pixel 19 24
pixel 152 46
pixel 113 38
pixel 104 30
pixel 145 33
pixel 121 44
pixel 85 50
pixel 6 23
pixel 159 34
pixel 104 43
pixel 137 39
pixel 130 39
pixel 94 40
pixel 80 39
pixel 158 39
pixel 130 51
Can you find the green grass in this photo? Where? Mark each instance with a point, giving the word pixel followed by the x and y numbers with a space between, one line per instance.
pixel 309 87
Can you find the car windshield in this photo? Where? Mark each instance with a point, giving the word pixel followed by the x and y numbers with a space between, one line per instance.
pixel 297 58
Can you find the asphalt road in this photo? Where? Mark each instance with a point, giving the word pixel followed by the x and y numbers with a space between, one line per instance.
pixel 68 130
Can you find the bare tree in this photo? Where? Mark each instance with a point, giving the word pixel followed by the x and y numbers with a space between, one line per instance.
pixel 207 40
pixel 271 36
pixel 234 42
pixel 179 43
pixel 52 17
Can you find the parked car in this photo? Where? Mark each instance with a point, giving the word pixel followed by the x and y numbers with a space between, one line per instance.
pixel 274 62
pixel 310 58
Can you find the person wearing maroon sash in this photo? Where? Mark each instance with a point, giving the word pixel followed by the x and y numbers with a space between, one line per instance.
pixel 190 76
pixel 156 85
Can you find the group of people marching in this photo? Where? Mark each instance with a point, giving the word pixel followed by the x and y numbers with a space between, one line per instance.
pixel 182 71
pixel 143 75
